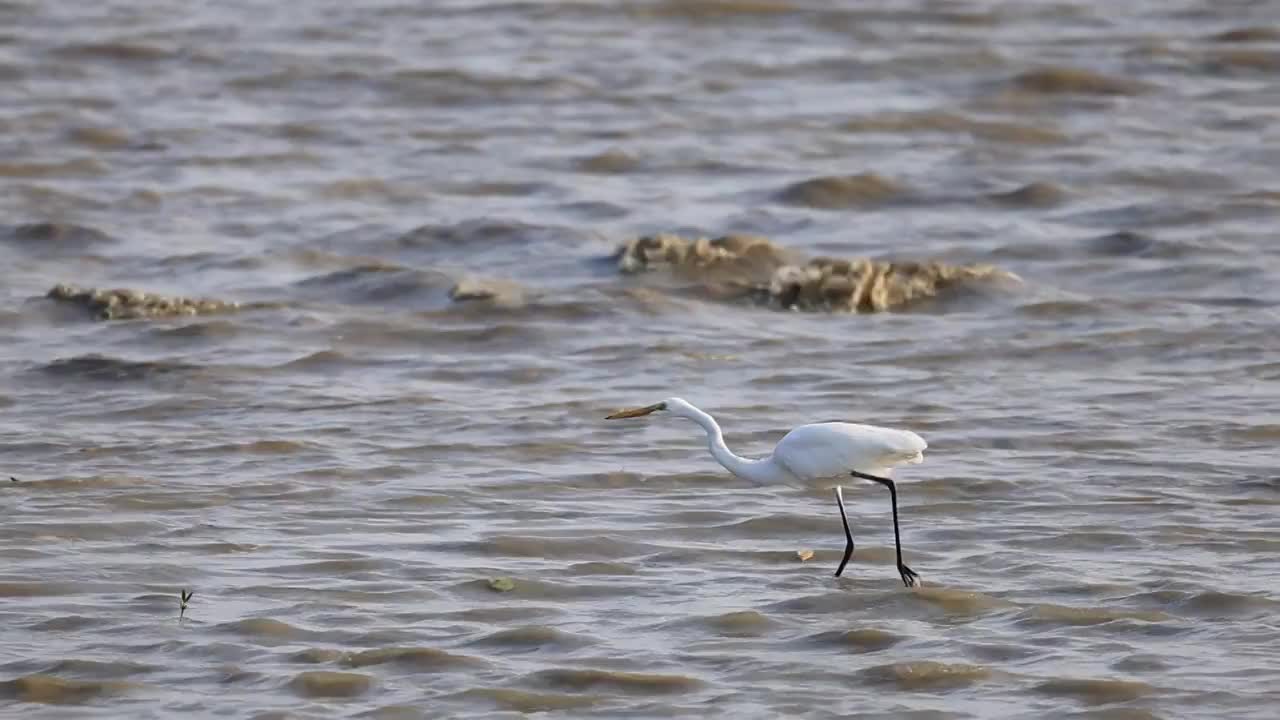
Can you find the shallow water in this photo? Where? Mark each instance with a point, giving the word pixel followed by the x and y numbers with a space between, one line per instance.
pixel 346 468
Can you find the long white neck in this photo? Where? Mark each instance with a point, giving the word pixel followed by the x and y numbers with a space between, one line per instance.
pixel 757 471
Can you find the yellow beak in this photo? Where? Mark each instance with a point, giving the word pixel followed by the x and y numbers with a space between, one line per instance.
pixel 636 412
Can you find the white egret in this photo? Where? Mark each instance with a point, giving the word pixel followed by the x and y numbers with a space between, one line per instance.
pixel 816 452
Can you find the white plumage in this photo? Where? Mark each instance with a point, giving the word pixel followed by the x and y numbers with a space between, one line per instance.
pixel 831 449
pixel 813 453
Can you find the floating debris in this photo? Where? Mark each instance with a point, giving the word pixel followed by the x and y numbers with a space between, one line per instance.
pixel 744 265
pixel 502 584
pixel 129 304
pixel 804 555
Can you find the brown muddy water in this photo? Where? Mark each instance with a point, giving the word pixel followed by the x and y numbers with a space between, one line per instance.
pixel 386 476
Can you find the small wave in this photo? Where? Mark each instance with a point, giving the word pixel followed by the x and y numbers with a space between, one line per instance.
pixel 367 189
pixel 476 236
pixel 80 168
pixel 65 623
pixel 601 568
pixel 1258 34
pixel 327 683
pixel 115 51
pixel 319 360
pixel 97 670
pixel 499 188
pixel 576 679
pixel 586 547
pixel 217 330
pixel 776 525
pixel 1095 691
pixel 273 161
pixel 721 9
pixel 316 656
pixel 1250 59
pixel 61 236
pixel 419 659
pixel 267 629
pixel 862 640
pixel 610 162
pixel 943 122
pixel 1079 616
pixel 1034 195
pixel 337 568
pixel 525 702
pixel 739 624
pixel 1062 80
pixel 51 690
pixel 1121 244
pixel 841 192
pixel 376 283
pixel 959 602
pixel 449 86
pixel 260 447
pixel 544 590
pixel 533 637
pixel 104 138
pixel 824 604
pixel 927 675
pixel 95 530
pixel 105 368
pixel 85 483
pixel 1212 603
pixel 503 614
pixel 1142 663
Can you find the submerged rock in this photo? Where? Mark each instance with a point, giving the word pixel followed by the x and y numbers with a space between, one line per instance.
pixel 755 267
pixel 129 304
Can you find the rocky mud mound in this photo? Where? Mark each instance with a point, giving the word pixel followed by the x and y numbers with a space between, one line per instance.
pixel 129 304
pixel 757 268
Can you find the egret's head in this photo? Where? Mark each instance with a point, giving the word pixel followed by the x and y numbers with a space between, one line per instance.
pixel 674 405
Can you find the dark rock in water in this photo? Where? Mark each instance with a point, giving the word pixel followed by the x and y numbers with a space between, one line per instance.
pixel 755 267
pixel 128 304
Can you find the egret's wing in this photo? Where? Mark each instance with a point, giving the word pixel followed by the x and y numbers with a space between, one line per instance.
pixel 826 450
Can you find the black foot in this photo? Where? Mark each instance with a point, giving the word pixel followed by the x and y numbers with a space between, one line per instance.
pixel 910 577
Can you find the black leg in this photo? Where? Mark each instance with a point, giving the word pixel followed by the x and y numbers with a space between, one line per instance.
pixel 909 577
pixel 848 536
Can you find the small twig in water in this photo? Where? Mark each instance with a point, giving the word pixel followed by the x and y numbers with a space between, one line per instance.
pixel 185 597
